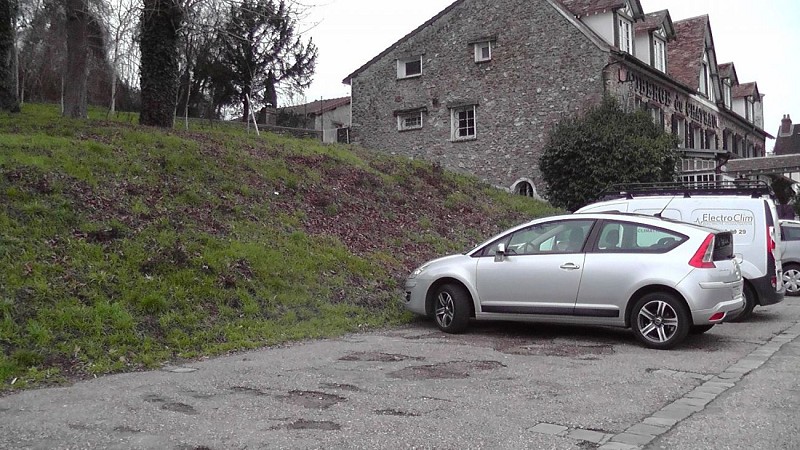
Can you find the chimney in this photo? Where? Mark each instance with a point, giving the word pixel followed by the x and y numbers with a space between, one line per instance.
pixel 786 125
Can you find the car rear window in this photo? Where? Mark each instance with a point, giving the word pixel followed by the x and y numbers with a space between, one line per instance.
pixel 723 245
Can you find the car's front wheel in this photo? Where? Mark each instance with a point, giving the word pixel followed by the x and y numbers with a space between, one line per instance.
pixel 791 279
pixel 659 320
pixel 451 308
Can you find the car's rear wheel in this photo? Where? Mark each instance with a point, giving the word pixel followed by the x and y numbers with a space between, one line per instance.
pixel 451 308
pixel 791 279
pixel 749 303
pixel 660 320
pixel 700 329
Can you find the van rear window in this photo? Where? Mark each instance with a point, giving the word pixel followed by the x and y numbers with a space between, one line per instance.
pixel 723 246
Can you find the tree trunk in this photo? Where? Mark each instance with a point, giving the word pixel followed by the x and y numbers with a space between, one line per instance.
pixel 75 90
pixel 8 70
pixel 161 20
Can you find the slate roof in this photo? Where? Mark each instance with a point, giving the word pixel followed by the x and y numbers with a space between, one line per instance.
pixel 745 89
pixel 728 70
pixel 319 106
pixel 685 53
pixel 653 21
pixel 767 164
pixel 786 144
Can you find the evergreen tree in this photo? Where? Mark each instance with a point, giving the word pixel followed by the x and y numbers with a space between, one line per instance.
pixel 260 45
pixel 584 155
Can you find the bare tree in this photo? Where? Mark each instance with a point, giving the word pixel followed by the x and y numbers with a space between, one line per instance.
pixel 77 70
pixel 8 81
pixel 161 21
pixel 123 54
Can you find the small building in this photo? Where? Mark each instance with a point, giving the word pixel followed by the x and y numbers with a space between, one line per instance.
pixel 787 141
pixel 478 87
pixel 331 117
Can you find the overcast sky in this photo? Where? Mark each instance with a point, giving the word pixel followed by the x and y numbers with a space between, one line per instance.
pixel 760 38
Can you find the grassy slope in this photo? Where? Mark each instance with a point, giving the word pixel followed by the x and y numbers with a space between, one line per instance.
pixel 122 247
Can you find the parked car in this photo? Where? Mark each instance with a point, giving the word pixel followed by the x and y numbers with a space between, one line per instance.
pixel 745 208
pixel 662 278
pixel 790 257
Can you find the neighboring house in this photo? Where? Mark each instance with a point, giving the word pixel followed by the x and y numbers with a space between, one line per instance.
pixel 332 117
pixel 479 86
pixel 788 140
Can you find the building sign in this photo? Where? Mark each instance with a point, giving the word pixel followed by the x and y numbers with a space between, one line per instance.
pixel 680 103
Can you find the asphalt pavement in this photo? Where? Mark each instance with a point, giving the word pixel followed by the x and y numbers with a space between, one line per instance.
pixel 500 385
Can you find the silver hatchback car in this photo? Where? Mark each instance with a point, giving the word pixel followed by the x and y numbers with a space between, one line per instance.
pixel 790 239
pixel 664 279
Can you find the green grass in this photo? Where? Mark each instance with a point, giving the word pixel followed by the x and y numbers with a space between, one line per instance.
pixel 124 247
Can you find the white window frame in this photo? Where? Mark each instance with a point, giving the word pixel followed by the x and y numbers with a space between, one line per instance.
pixel 657 114
pixel 706 82
pixel 409 121
pixel 697 137
pixel 726 92
pixel 625 36
pixel 680 125
pixel 659 54
pixel 479 47
pixel 456 125
pixel 402 67
pixel 749 109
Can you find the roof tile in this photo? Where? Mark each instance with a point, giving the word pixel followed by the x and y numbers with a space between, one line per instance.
pixel 685 53
pixel 319 106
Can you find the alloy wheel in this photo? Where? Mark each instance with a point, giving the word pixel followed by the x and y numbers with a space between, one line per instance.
pixel 791 278
pixel 445 309
pixel 657 321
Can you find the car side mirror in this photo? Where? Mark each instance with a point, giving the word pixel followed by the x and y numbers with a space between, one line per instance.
pixel 500 252
pixel 738 257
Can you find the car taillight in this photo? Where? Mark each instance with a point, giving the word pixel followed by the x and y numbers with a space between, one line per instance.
pixel 770 241
pixel 704 256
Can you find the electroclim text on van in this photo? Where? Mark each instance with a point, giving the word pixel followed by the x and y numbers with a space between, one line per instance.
pixel 739 219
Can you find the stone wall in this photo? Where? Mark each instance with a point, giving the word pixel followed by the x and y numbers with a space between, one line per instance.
pixel 542 70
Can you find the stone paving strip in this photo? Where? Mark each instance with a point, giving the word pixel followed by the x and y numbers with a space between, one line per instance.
pixel 641 434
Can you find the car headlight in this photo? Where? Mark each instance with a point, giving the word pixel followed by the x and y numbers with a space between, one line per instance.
pixel 419 270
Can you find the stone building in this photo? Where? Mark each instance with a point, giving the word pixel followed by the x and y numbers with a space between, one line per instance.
pixel 479 86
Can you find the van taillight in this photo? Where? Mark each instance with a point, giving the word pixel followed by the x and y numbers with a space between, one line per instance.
pixel 704 256
pixel 770 241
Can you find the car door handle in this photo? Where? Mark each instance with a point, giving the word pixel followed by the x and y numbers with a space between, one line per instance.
pixel 570 266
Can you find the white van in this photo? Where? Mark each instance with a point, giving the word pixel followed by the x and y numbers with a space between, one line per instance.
pixel 747 209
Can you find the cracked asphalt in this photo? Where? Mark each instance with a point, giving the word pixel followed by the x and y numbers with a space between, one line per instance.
pixel 500 385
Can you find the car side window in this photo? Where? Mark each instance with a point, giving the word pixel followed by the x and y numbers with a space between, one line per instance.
pixel 628 237
pixel 790 233
pixel 565 236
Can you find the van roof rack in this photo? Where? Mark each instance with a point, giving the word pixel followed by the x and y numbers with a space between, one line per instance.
pixel 752 188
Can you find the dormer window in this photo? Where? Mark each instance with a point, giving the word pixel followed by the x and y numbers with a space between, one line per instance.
pixel 749 109
pixel 726 92
pixel 659 54
pixel 624 35
pixel 409 67
pixel 483 51
pixel 706 86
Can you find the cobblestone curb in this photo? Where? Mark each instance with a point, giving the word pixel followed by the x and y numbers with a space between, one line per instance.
pixel 641 434
pixel 696 400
